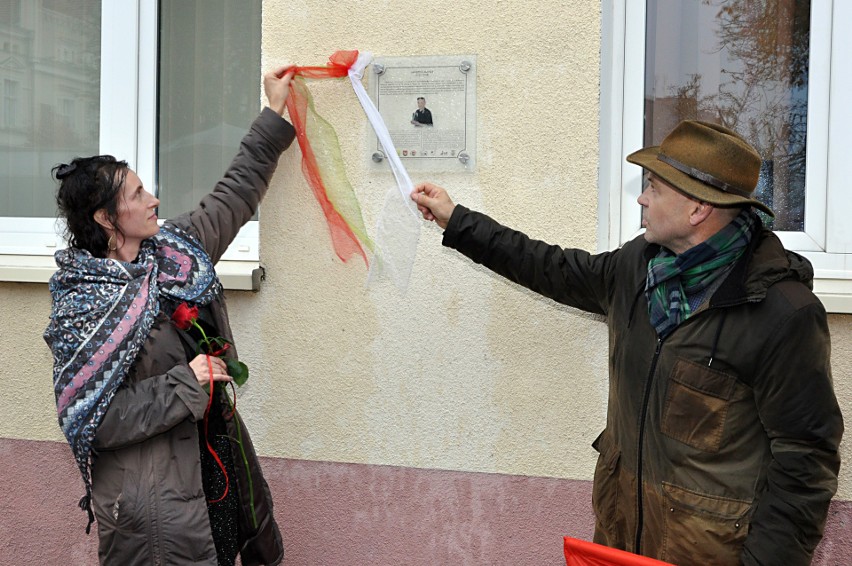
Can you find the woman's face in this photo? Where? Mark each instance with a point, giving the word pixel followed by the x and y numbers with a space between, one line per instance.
pixel 137 216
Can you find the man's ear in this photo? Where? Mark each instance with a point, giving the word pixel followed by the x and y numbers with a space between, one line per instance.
pixel 101 218
pixel 700 213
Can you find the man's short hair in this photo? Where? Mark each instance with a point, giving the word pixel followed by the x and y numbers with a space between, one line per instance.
pixel 420 98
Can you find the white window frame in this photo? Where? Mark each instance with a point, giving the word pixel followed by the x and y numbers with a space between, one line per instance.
pixel 128 130
pixel 827 238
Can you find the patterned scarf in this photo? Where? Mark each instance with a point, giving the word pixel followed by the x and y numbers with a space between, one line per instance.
pixel 102 313
pixel 672 279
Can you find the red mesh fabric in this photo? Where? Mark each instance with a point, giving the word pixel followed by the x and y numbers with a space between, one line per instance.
pixel 345 242
pixel 583 553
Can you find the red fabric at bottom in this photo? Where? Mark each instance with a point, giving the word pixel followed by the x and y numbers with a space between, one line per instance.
pixel 582 553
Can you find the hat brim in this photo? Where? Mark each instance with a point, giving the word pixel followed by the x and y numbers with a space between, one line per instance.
pixel 647 158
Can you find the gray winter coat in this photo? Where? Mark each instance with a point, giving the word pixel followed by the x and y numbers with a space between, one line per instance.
pixel 146 473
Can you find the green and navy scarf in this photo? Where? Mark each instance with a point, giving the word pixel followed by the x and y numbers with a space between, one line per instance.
pixel 672 279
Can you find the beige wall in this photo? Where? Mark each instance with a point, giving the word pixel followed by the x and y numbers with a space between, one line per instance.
pixel 466 371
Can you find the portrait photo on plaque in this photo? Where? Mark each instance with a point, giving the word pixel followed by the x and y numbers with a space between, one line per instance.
pixel 428 105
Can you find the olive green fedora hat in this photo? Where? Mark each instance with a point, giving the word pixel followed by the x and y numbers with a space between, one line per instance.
pixel 707 162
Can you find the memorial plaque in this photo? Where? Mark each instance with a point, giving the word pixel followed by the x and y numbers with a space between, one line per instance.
pixel 429 107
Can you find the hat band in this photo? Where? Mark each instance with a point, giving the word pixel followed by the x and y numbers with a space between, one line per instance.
pixel 702 176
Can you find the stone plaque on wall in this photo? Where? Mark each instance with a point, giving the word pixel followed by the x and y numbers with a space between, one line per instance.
pixel 429 107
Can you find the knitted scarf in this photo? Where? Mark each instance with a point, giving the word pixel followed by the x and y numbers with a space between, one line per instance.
pixel 102 313
pixel 672 279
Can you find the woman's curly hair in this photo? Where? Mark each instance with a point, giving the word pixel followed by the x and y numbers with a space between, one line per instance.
pixel 86 185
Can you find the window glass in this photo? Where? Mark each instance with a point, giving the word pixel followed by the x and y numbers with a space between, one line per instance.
pixel 742 64
pixel 50 81
pixel 208 93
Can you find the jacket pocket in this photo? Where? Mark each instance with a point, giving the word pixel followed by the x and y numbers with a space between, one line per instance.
pixel 605 486
pixel 128 510
pixel 703 529
pixel 697 404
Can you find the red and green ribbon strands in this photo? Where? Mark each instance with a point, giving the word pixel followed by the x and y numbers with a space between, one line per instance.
pixel 322 163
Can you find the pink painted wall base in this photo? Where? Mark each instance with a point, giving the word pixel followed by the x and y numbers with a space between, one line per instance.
pixel 332 513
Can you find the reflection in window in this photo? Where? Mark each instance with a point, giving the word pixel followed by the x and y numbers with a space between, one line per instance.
pixel 742 64
pixel 11 100
pixel 209 93
pixel 50 76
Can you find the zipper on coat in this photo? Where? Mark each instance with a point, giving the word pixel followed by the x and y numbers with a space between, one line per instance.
pixel 154 519
pixel 639 464
pixel 716 338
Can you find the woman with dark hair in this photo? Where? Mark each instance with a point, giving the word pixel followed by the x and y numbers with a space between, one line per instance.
pixel 169 469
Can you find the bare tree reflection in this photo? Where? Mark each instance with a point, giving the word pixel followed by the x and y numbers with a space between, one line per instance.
pixel 761 92
pixel 765 96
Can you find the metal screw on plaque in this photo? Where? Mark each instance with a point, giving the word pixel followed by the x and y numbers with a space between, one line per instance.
pixel 465 66
pixel 464 157
pixel 378 68
pixel 378 156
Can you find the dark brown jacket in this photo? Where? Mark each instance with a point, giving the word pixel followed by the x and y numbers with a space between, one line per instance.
pixel 146 473
pixel 721 441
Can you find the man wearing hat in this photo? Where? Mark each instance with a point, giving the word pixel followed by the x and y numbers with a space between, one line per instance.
pixel 722 434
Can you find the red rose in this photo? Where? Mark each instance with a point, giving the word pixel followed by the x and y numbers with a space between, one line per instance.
pixel 184 316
